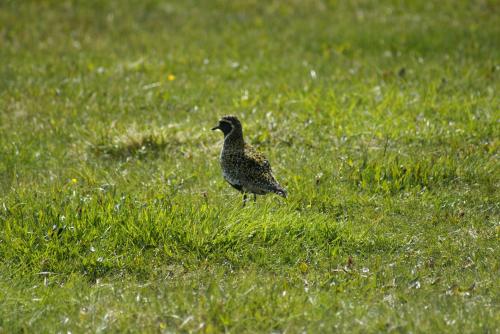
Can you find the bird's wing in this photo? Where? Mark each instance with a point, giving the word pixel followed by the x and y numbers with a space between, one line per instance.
pixel 258 169
pixel 256 160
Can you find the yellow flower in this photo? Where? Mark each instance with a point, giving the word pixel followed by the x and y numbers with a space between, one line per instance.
pixel 171 77
pixel 74 181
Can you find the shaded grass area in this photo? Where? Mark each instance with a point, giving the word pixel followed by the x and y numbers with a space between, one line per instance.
pixel 380 119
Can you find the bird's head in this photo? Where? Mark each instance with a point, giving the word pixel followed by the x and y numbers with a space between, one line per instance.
pixel 227 124
pixel 282 192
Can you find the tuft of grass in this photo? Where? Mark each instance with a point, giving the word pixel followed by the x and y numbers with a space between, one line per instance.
pixel 391 175
pixel 134 144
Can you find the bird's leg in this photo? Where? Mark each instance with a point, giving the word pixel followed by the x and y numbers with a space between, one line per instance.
pixel 244 199
pixel 255 198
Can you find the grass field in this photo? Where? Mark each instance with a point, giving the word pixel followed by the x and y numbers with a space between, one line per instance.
pixel 380 119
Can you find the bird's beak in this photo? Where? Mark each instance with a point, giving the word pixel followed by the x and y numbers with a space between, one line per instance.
pixel 216 128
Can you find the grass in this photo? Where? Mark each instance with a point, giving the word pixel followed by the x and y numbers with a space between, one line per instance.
pixel 380 119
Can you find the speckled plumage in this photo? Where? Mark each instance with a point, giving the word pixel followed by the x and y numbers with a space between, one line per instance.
pixel 242 166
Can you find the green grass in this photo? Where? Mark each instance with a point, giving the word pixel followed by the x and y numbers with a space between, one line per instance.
pixel 380 119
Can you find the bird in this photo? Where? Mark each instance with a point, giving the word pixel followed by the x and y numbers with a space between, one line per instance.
pixel 243 167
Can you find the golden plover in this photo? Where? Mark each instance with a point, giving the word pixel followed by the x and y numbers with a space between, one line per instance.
pixel 242 166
